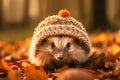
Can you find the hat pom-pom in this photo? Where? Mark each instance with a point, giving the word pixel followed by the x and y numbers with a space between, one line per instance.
pixel 64 13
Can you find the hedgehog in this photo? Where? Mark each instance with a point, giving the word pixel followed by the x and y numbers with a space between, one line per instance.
pixel 59 40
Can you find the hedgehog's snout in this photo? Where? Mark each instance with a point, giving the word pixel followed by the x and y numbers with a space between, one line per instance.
pixel 59 56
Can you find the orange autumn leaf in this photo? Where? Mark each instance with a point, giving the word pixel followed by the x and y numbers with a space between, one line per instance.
pixel 27 42
pixel 9 48
pixel 102 38
pixel 34 74
pixel 25 64
pixel 114 48
pixel 117 37
pixel 4 64
pixel 19 43
pixel 2 43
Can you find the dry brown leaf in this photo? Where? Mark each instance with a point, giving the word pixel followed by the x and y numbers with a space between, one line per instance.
pixel 111 57
pixel 15 73
pixel 76 74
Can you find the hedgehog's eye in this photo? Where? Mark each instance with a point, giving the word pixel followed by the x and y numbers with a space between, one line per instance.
pixel 68 45
pixel 52 45
pixel 43 42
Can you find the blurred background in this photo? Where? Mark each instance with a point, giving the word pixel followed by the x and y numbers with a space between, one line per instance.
pixel 18 18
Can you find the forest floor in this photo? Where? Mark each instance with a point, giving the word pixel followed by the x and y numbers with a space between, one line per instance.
pixel 103 65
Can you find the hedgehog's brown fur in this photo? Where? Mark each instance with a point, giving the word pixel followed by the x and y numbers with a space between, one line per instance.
pixel 50 49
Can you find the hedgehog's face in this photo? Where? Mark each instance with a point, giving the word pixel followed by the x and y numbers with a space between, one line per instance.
pixel 60 47
pixel 61 53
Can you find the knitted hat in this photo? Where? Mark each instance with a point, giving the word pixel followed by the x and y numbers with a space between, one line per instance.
pixel 61 24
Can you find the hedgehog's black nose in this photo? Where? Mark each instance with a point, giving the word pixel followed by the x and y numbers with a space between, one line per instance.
pixel 60 57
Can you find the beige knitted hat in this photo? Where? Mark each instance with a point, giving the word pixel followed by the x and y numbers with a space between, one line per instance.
pixel 61 24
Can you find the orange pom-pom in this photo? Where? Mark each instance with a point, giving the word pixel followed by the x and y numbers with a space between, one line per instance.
pixel 64 13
